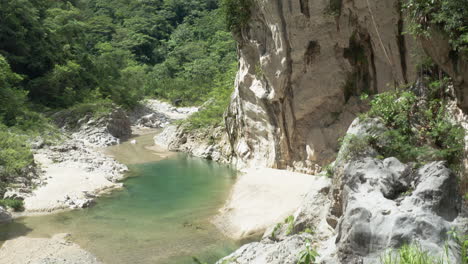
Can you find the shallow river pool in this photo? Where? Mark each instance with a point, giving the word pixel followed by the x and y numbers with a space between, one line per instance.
pixel 160 217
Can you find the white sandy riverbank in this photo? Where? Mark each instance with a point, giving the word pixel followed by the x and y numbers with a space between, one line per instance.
pixel 58 249
pixel 263 197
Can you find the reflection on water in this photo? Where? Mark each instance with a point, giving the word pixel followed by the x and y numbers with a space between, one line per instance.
pixel 162 216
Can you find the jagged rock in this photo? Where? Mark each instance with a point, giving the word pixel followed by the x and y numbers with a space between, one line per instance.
pixel 207 143
pixel 104 131
pixel 359 128
pixel 388 205
pixel 153 120
pixel 287 251
pixel 158 114
pixel 118 124
pixel 302 67
pixel 308 218
pixel 79 203
pixel 15 194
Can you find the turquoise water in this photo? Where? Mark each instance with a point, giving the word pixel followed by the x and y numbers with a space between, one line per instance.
pixel 161 217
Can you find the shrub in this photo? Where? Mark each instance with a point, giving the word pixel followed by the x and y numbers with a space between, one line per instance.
pixel 289 221
pixel 449 16
pixel 334 8
pixel 418 130
pixel 309 231
pixel 275 230
pixel 410 254
pixel 212 111
pixel 237 13
pixel 15 154
pixel 462 241
pixel 97 108
pixel 355 146
pixel 308 255
pixel 16 205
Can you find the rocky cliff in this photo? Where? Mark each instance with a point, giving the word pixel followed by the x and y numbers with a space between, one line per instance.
pixel 303 65
pixel 375 205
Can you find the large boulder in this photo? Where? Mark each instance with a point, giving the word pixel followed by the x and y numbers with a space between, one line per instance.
pixel 388 204
pixel 287 251
pixel 118 124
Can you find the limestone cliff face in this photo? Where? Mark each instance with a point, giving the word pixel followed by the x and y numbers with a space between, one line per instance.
pixel 303 65
pixel 455 64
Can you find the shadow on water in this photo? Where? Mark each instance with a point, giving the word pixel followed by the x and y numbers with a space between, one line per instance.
pixel 12 230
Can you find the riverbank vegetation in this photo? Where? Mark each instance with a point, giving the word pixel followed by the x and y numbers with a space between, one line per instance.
pixel 89 56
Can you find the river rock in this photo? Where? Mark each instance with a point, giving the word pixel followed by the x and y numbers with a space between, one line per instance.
pixel 5 216
pixel 287 251
pixel 118 124
pixel 208 143
pixel 154 113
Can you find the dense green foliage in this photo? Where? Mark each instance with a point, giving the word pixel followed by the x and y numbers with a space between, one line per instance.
pixel 419 130
pixel 15 155
pixel 86 56
pixel 212 111
pixel 14 152
pixel 12 99
pixel 449 16
pixel 200 53
pixel 16 205
pixel 63 51
pixel 237 13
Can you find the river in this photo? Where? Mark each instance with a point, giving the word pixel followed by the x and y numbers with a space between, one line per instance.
pixel 162 216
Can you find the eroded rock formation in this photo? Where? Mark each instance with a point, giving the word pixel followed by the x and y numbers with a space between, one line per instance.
pixel 374 206
pixel 303 65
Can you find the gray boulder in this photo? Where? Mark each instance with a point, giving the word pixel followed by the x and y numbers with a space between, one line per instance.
pixel 287 251
pixel 118 124
pixel 388 204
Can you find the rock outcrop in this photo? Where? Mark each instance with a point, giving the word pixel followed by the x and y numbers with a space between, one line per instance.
pixel 303 65
pixel 105 131
pixel 284 252
pixel 207 143
pixel 374 206
pixel 157 114
pixel 389 204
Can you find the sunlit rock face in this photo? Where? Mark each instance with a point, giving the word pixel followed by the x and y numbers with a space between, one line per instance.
pixel 303 65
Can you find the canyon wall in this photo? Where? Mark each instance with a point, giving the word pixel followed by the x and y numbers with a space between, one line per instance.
pixel 303 65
